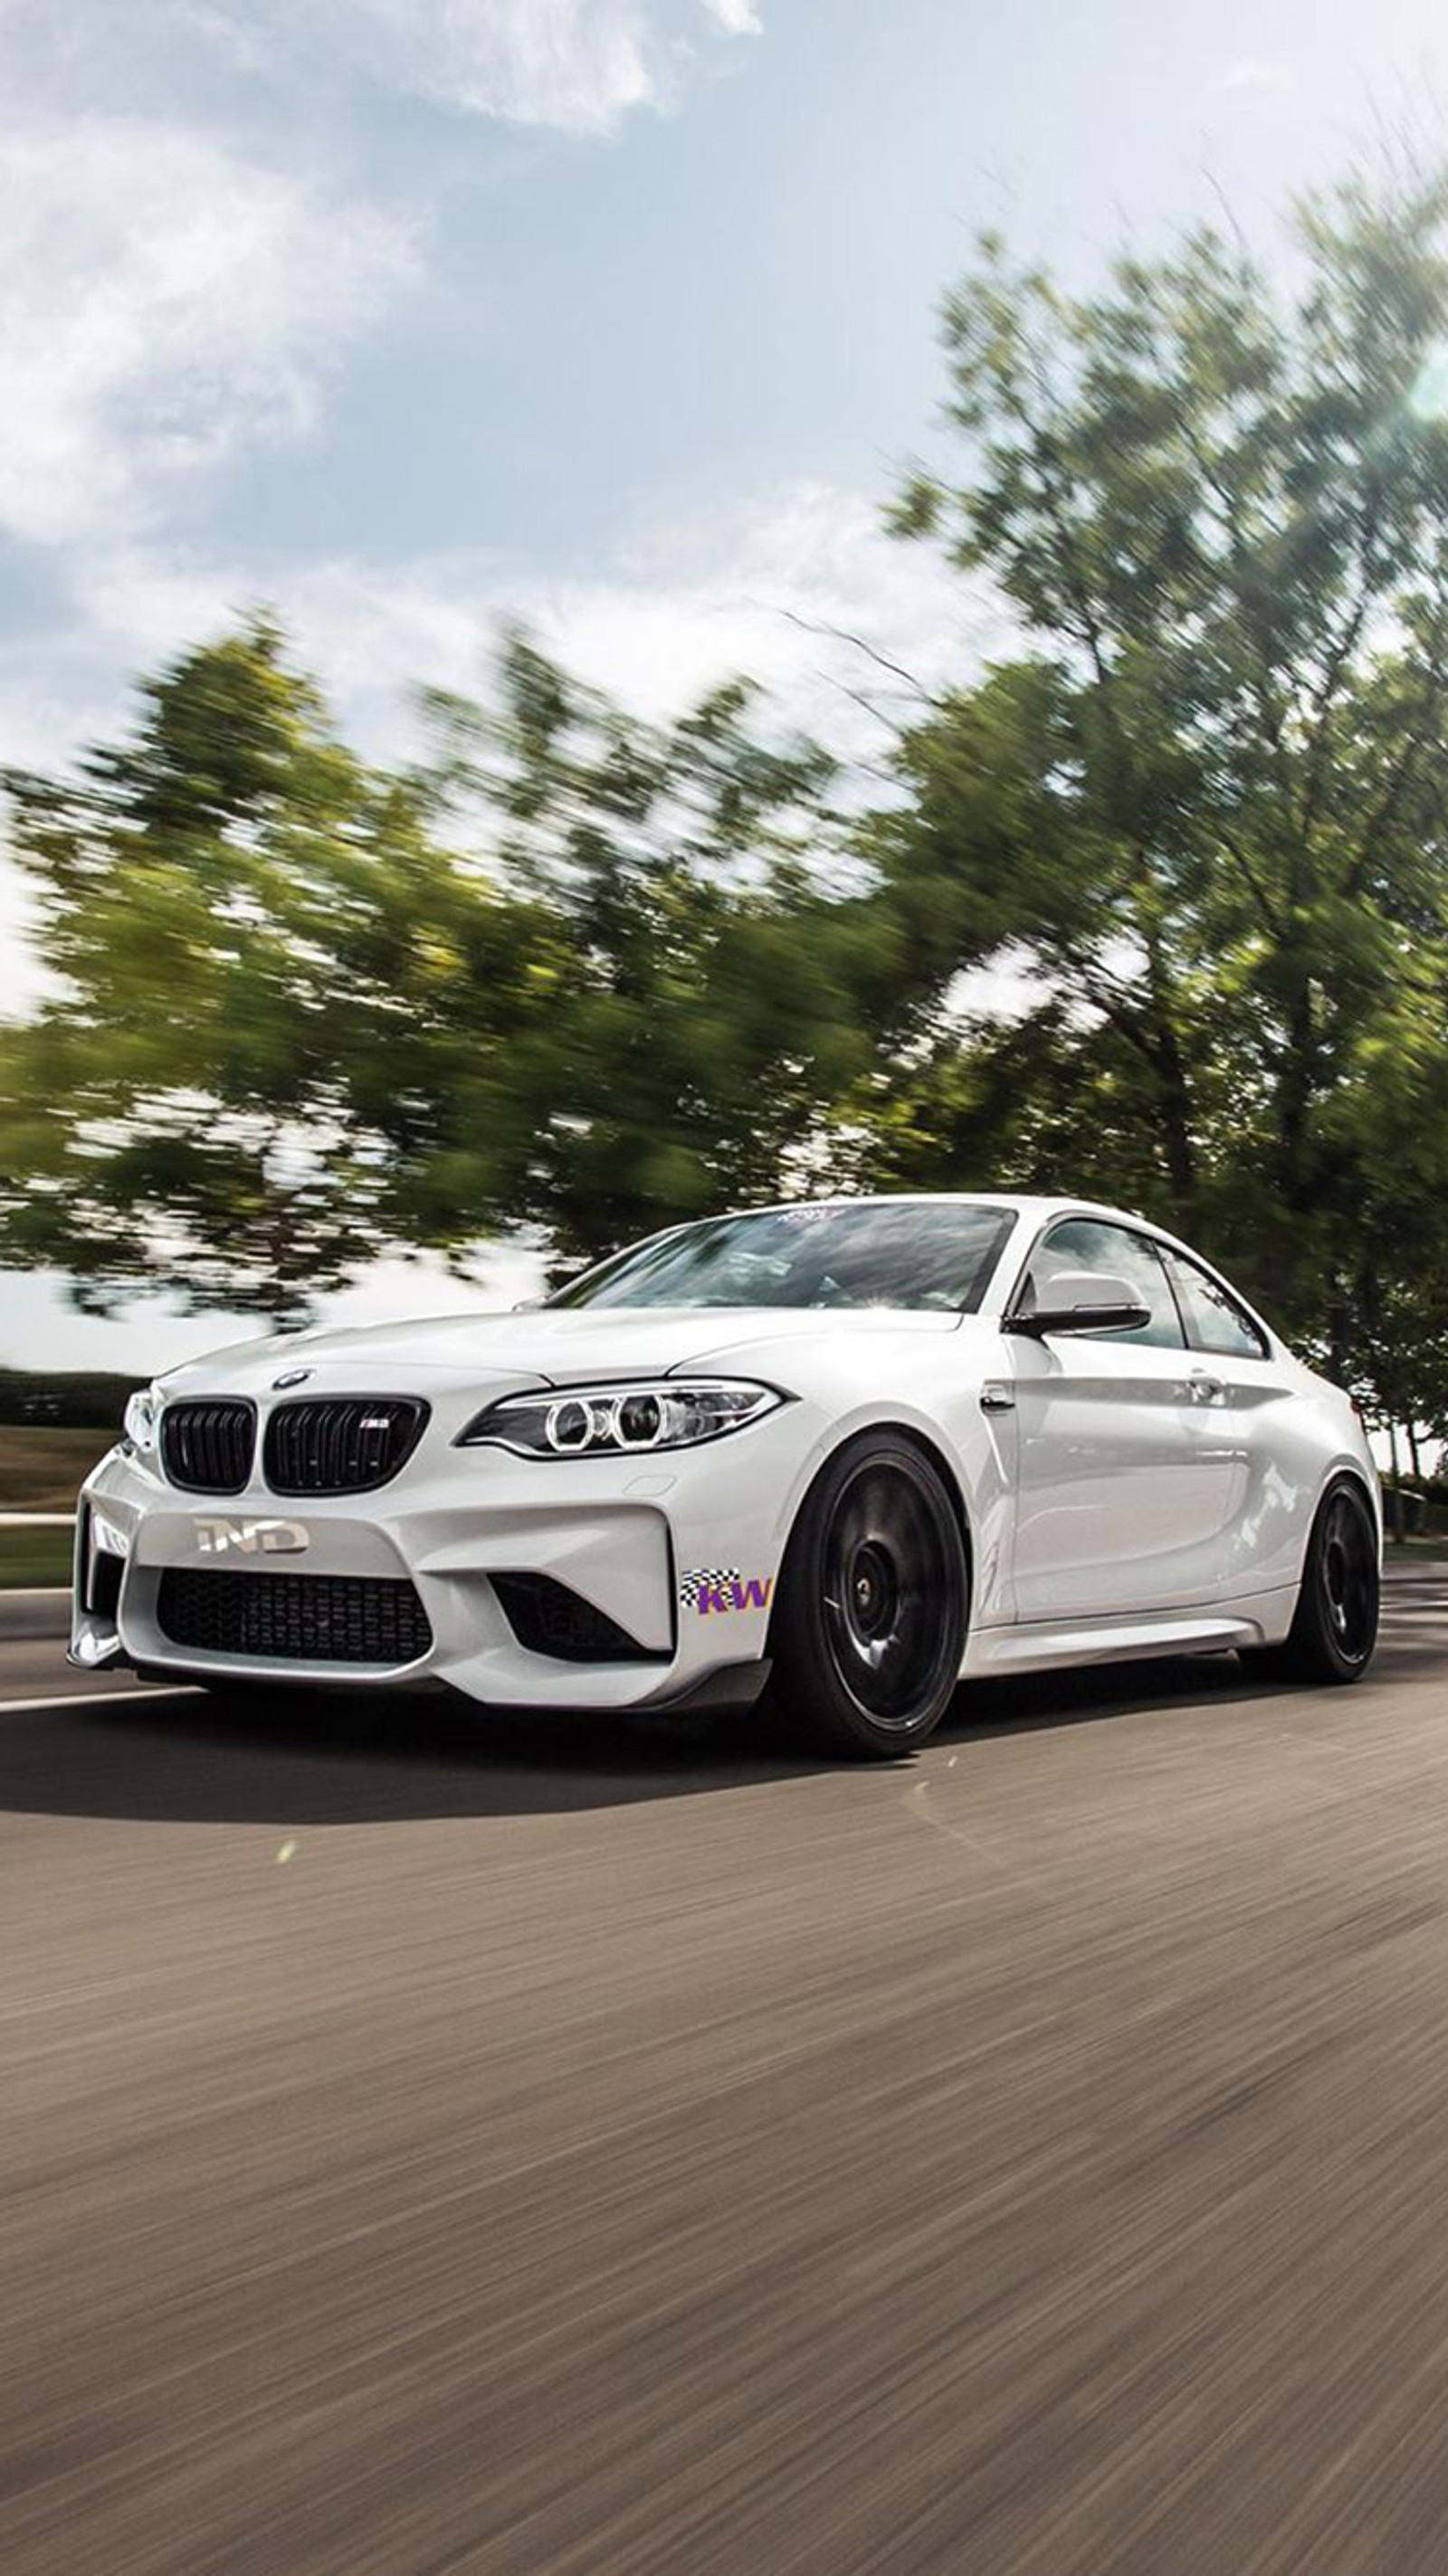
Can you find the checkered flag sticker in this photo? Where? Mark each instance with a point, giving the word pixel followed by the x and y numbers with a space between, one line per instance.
pixel 706 1578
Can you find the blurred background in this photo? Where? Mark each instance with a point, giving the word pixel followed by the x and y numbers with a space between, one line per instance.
pixel 616 609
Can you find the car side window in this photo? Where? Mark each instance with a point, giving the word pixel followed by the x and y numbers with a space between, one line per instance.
pixel 1215 1321
pixel 1088 1243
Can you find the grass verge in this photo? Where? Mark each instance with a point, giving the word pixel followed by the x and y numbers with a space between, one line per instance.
pixel 42 1470
pixel 32 1559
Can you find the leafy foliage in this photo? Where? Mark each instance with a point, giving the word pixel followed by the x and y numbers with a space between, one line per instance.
pixel 575 972
pixel 693 1019
pixel 225 898
pixel 1204 811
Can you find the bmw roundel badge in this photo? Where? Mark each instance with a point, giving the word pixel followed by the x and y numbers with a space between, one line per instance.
pixel 291 1377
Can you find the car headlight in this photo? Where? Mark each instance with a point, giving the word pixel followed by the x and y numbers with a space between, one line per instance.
pixel 617 1421
pixel 143 1415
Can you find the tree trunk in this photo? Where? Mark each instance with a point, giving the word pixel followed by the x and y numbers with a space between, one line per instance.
pixel 1175 1099
pixel 1296 1086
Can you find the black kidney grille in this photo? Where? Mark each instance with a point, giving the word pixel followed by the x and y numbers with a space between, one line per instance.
pixel 299 1618
pixel 341 1444
pixel 207 1448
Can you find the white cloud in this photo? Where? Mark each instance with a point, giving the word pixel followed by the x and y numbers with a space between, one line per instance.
pixel 578 64
pixel 162 303
pixel 775 590
pixel 736 17
pixel 778 591
pixel 1253 72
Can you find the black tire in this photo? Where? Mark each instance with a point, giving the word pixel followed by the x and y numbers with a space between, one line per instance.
pixel 1335 1625
pixel 870 1618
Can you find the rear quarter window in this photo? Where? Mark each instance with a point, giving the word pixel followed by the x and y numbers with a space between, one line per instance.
pixel 1215 1321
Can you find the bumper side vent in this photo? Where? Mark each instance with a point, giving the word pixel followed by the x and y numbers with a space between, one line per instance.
pixel 297 1618
pixel 207 1448
pixel 98 1571
pixel 103 1585
pixel 341 1444
pixel 548 1619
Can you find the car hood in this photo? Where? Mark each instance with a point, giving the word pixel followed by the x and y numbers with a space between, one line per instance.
pixel 549 1346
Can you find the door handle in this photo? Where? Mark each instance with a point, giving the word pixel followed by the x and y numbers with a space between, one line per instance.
pixel 1205 1390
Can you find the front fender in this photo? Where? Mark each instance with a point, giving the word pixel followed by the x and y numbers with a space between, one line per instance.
pixel 975 1453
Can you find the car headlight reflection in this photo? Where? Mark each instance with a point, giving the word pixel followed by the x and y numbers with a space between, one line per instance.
pixel 613 1421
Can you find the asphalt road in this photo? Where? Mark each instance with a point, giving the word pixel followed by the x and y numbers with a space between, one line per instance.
pixel 433 2148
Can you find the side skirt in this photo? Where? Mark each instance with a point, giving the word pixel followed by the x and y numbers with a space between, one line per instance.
pixel 1261 1620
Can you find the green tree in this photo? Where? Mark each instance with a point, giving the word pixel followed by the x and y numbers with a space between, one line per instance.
pixel 574 972
pixel 1203 809
pixel 698 965
pixel 239 918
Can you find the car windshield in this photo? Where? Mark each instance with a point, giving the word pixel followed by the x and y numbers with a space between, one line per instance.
pixel 896 1253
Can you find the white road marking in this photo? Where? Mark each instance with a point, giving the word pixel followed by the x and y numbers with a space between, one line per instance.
pixel 101 1699
pixel 914 1801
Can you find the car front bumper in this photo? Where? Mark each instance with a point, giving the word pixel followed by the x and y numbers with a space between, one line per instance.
pixel 681 1551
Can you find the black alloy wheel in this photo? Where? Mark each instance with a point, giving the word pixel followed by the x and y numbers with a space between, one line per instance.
pixel 1335 1626
pixel 869 1631
pixel 1348 1567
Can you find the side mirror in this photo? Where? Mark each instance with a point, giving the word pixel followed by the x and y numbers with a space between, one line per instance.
pixel 1084 1301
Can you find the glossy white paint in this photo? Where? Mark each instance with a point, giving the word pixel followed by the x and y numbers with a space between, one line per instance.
pixel 1121 1498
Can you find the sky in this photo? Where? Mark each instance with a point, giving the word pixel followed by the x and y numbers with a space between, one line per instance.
pixel 618 315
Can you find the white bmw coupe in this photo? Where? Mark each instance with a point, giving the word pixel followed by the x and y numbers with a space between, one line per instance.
pixel 857 1449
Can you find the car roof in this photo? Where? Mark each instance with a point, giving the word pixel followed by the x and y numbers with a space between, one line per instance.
pixel 1021 1203
pixel 1034 1209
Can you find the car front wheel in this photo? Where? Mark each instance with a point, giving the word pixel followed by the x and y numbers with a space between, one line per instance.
pixel 869 1629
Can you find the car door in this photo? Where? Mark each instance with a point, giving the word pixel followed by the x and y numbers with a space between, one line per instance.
pixel 1124 1486
pixel 1246 1400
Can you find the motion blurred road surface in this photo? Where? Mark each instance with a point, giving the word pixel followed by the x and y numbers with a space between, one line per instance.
pixel 434 2147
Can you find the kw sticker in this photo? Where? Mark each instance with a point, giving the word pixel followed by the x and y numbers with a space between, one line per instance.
pixel 710 1589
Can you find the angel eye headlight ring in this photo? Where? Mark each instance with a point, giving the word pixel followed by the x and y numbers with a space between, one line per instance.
pixel 627 1420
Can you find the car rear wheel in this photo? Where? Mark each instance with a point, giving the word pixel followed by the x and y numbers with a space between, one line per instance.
pixel 869 1626
pixel 1335 1625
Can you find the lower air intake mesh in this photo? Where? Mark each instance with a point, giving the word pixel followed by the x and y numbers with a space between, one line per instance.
pixel 298 1618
